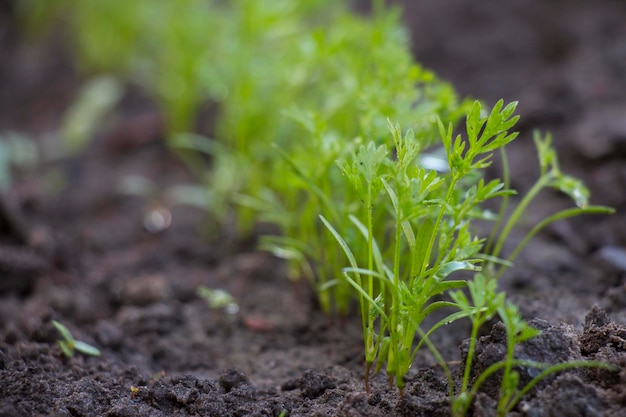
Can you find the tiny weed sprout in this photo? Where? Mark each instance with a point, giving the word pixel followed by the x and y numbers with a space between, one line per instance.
pixel 218 299
pixel 68 344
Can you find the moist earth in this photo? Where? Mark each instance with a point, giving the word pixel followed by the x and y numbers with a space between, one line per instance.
pixel 81 254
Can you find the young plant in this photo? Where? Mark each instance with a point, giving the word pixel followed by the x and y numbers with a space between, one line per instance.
pixel 68 344
pixel 377 80
pixel 517 331
pixel 218 299
pixel 431 215
pixel 401 276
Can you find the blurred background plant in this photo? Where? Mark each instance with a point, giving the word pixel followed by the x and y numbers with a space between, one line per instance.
pixel 295 85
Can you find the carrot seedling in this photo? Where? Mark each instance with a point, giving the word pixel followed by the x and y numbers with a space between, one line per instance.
pixel 413 232
pixel 517 331
pixel 68 344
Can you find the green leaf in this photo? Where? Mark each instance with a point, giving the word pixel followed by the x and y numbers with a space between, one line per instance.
pixel 444 286
pixel 364 294
pixel 369 159
pixel 432 307
pixel 342 243
pixel 378 305
pixel 68 345
pixel 574 188
pixel 65 333
pixel 86 349
pixel 424 231
pixel 84 116
pixel 216 298
pixel 443 322
pixel 448 268
pixel 475 123
pixel 392 196
pixel 65 348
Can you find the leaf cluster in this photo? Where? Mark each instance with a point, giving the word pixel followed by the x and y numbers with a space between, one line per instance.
pixel 331 132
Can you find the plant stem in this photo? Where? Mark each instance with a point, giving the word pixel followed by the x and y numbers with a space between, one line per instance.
pixel 470 354
pixel 532 193
pixel 433 235
pixel 395 300
pixel 506 180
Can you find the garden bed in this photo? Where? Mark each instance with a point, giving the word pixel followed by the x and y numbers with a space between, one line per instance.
pixel 84 257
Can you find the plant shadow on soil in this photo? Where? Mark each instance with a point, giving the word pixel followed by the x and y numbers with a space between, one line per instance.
pixel 84 258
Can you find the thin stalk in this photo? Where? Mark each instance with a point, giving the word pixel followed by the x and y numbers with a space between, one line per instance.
pixel 470 355
pixel 506 180
pixel 440 360
pixel 548 371
pixel 561 215
pixel 370 241
pixel 532 193
pixel 395 301
pixel 487 373
pixel 433 235
pixel 508 366
pixel 370 351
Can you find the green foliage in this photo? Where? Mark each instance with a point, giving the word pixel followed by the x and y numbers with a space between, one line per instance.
pixel 68 344
pixel 431 214
pixel 331 132
pixel 162 46
pixel 399 281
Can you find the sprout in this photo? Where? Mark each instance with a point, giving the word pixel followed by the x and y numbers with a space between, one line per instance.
pixel 68 344
pixel 218 299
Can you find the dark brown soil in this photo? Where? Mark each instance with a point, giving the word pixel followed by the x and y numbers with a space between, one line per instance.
pixel 74 249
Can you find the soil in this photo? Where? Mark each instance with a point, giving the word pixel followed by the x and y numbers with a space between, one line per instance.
pixel 75 249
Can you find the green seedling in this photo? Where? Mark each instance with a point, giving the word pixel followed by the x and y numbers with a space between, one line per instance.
pixel 218 299
pixel 517 331
pixel 430 215
pixel 403 271
pixel 483 303
pixel 69 345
